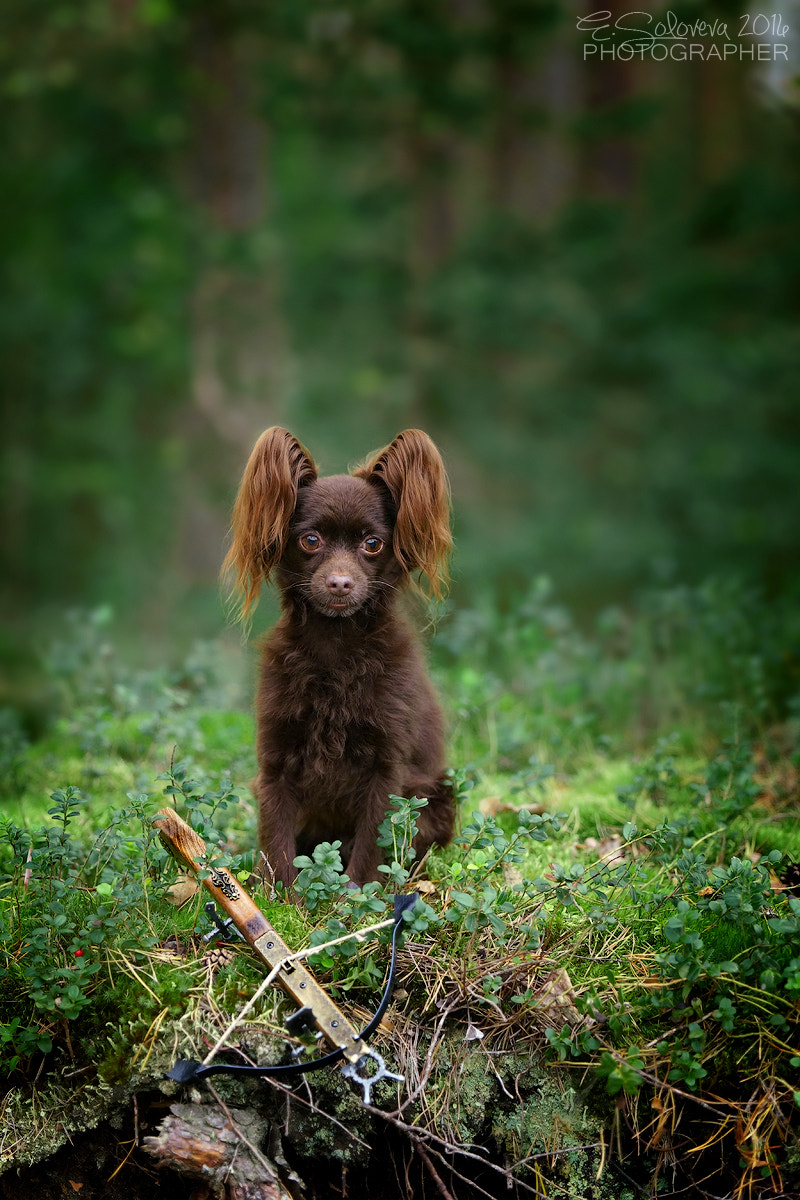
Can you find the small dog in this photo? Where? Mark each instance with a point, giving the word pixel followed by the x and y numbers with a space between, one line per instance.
pixel 346 715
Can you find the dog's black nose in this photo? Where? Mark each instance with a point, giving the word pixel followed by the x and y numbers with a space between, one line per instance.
pixel 339 585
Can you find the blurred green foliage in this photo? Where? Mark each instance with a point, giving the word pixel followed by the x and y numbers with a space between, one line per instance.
pixel 579 277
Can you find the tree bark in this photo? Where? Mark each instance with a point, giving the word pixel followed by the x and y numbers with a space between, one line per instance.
pixel 220 1146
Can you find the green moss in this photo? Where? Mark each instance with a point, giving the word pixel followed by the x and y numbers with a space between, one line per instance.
pixel 289 921
pixel 348 1138
pixel 549 1117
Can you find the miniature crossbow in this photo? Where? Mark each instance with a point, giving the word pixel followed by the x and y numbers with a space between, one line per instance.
pixel 317 1009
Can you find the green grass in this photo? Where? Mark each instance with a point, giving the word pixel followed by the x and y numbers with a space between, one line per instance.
pixel 625 808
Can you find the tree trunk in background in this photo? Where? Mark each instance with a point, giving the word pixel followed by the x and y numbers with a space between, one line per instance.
pixel 240 352
pixel 531 162
pixel 608 162
pixel 720 108
pixel 240 358
pixel 427 169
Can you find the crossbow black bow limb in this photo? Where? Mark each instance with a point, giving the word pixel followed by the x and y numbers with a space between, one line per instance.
pixel 316 1007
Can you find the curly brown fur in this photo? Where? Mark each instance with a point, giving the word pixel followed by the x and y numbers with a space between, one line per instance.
pixel 346 714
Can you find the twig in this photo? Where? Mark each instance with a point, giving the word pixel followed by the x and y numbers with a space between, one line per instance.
pixel 291 1094
pixel 240 1016
pixel 254 1150
pixel 437 1179
pixel 510 1181
pixel 417 1135
pixel 472 1184
pixel 426 1070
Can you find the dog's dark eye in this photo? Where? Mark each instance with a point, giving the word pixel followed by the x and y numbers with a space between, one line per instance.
pixel 311 542
pixel 372 545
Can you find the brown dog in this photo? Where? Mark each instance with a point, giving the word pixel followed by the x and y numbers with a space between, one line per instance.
pixel 346 715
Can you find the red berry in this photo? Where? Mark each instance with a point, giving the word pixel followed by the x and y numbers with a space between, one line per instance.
pixel 79 954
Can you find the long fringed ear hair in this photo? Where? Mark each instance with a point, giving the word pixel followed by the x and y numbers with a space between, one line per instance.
pixel 412 470
pixel 277 467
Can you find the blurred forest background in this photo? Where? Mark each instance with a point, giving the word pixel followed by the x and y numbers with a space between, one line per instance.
pixel 579 276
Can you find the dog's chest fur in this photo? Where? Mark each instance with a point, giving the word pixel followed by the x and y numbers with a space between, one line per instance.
pixel 340 709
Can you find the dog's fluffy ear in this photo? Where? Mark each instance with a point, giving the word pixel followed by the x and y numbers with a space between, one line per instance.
pixel 278 466
pixel 413 471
